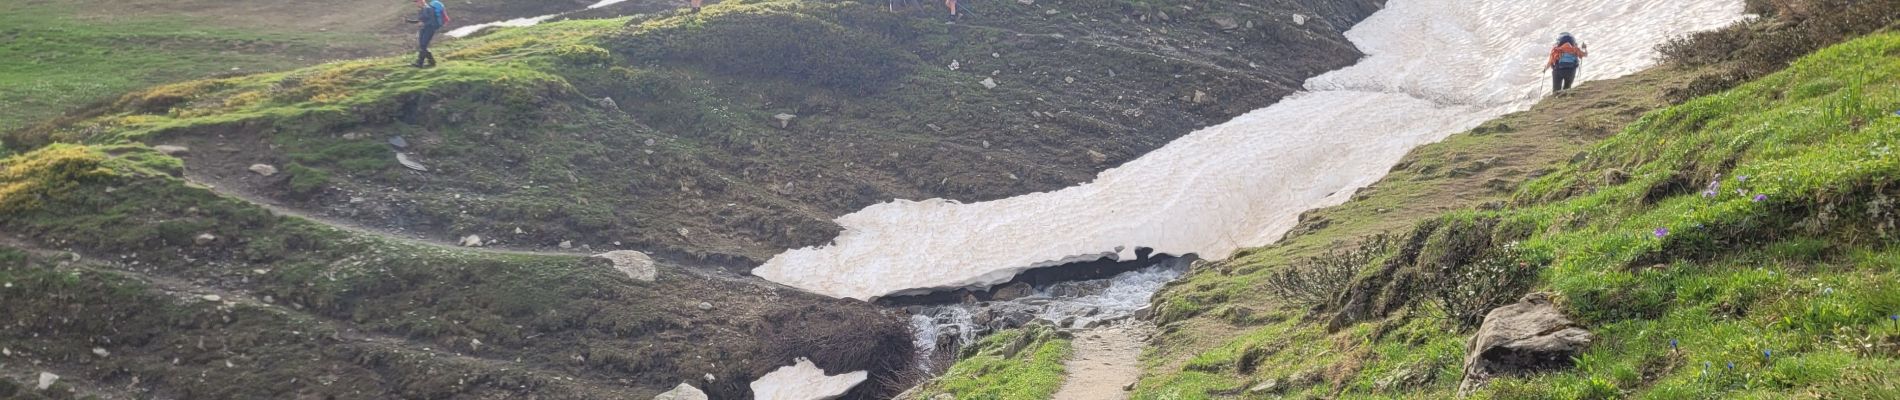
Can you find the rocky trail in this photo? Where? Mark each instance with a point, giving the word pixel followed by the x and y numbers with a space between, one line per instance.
pixel 1105 362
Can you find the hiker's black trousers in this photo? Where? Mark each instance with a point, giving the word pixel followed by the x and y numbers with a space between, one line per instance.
pixel 423 38
pixel 1561 78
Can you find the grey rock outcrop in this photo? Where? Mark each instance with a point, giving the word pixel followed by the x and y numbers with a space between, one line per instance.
pixel 1527 337
pixel 1012 291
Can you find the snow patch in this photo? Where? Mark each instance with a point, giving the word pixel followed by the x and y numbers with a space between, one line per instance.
pixel 1433 68
pixel 804 381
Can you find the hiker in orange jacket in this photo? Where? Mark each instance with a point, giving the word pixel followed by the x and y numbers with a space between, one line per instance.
pixel 1565 58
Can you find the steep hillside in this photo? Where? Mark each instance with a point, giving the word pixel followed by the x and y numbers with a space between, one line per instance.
pixel 1738 245
pixel 123 279
pixel 688 157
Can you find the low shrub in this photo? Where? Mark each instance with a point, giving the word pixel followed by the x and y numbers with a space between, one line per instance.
pixel 1321 279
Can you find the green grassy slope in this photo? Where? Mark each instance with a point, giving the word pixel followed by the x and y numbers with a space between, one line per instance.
pixel 54 60
pixel 1784 267
pixel 1021 363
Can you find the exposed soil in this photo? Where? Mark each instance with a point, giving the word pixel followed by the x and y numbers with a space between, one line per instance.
pixel 1106 360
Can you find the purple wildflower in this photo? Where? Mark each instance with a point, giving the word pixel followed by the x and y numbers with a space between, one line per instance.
pixel 1767 354
pixel 1760 197
pixel 1708 194
pixel 1741 178
pixel 1672 345
pixel 1660 232
pixel 1731 365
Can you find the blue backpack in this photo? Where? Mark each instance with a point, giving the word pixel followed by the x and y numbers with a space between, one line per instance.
pixel 1567 60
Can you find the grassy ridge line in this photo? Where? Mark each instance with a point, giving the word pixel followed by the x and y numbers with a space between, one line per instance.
pixel 1790 288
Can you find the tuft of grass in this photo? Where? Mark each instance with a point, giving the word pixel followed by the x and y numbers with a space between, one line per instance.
pixel 1021 363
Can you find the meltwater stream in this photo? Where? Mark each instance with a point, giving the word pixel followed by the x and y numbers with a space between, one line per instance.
pixel 941 329
pixel 1433 67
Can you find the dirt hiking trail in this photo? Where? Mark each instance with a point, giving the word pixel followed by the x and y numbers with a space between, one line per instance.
pixel 1106 360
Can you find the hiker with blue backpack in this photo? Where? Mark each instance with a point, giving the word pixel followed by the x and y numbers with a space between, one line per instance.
pixel 432 15
pixel 1565 58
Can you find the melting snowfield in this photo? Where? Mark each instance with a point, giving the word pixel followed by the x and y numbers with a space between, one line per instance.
pixel 524 21
pixel 1433 68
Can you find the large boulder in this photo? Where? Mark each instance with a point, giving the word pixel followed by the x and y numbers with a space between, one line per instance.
pixel 1526 337
pixel 635 264
pixel 682 392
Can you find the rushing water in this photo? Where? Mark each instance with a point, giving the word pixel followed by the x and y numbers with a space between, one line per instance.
pixel 941 329
pixel 1433 67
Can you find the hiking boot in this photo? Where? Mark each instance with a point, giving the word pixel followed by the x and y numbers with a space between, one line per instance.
pixel 428 59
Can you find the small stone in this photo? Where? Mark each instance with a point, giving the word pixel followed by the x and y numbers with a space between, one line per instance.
pixel 47 379
pixel 1068 79
pixel 567 244
pixel 704 306
pixel 472 241
pixel 171 150
pixel 649 142
pixel 101 352
pixel 475 344
pixel 399 142
pixel 406 162
pixel 1201 97
pixel 518 231
pixel 213 297
pixel 607 103
pixel 1299 19
pixel 1163 16
pixel 711 378
pixel 1130 387
pixel 1051 12
pixel 989 83
pixel 1026 2
pixel 1225 23
pixel 685 232
pixel 262 169
pixel 784 120
pixel 954 65
pixel 1097 157
pixel 205 239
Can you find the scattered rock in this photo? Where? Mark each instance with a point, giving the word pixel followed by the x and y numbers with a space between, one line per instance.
pixel 1068 79
pixel 205 239
pixel 1526 337
pixel 263 169
pixel 1130 387
pixel 635 264
pixel 1097 157
pixel 784 120
pixel 607 103
pixel 989 83
pixel 475 345
pixel 1201 97
pixel 1270 386
pixel 1012 291
pixel 682 392
pixel 1026 2
pixel 1615 176
pixel 943 396
pixel 1051 12
pixel 101 352
pixel 47 379
pixel 1163 16
pixel 1299 19
pixel 704 306
pixel 567 244
pixel 213 297
pixel 1225 23
pixel 472 241
pixel 711 378
pixel 399 142
pixel 954 65
pixel 403 159
pixel 171 150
